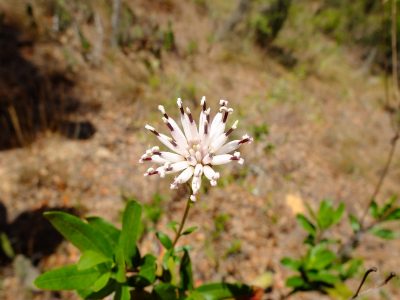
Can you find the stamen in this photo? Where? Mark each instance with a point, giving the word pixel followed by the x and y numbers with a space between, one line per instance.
pixel 150 171
pixel 203 103
pixel 165 120
pixel 173 142
pixel 189 113
pixel 162 110
pixel 151 129
pixel 227 111
pixel 234 126
pixel 223 102
pixel 245 139
pixel 180 105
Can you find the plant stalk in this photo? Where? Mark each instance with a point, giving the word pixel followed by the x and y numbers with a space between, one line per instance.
pixel 182 224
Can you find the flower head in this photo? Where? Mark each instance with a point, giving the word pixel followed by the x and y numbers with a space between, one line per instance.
pixel 195 149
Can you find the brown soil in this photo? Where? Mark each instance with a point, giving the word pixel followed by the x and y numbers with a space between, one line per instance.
pixel 330 139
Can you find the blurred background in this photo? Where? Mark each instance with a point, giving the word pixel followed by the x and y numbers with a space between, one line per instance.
pixel 309 80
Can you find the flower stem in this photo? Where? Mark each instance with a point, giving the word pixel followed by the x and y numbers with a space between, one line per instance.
pixel 182 224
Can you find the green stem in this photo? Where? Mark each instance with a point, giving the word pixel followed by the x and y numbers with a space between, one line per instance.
pixel 182 224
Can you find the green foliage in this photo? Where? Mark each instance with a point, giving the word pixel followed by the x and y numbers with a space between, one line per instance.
pixel 131 223
pixel 169 39
pixel 362 22
pixel 221 291
pixel 260 131
pixel 164 239
pixel 110 263
pixel 388 211
pixel 154 211
pixel 220 222
pixel 68 278
pixel 82 235
pixel 269 20
pixel 320 269
pixel 6 245
pixel 323 267
pixel 234 248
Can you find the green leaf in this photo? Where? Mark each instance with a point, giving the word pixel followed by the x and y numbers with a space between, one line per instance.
pixel 354 223
pixel 185 271
pixel 337 215
pixel 374 210
pixel 130 231
pixel 80 234
pixel 166 291
pixel 291 263
pixel 339 291
pixel 189 230
pixel 109 288
pixel 6 245
pixel 90 259
pixel 195 295
pixel 325 214
pixel 323 276
pixel 173 225
pixel 388 205
pixel 319 257
pixel 120 261
pixel 164 239
pixel 101 282
pixel 221 290
pixel 296 282
pixel 351 268
pixel 383 233
pixel 67 278
pixel 110 232
pixel 394 215
pixel 147 272
pixel 122 293
pixel 307 224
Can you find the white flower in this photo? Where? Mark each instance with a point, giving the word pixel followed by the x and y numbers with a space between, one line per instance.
pixel 196 150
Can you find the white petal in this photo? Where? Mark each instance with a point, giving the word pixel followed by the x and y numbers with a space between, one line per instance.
pixel 184 120
pixel 157 159
pixel 215 122
pixel 172 157
pixel 178 136
pixel 210 173
pixel 167 141
pixel 203 116
pixel 207 159
pixel 220 126
pixel 196 184
pixel 176 167
pixel 221 159
pixel 198 170
pixel 218 142
pixel 226 158
pixel 233 145
pixel 184 176
pixel 228 147
pixel 193 127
